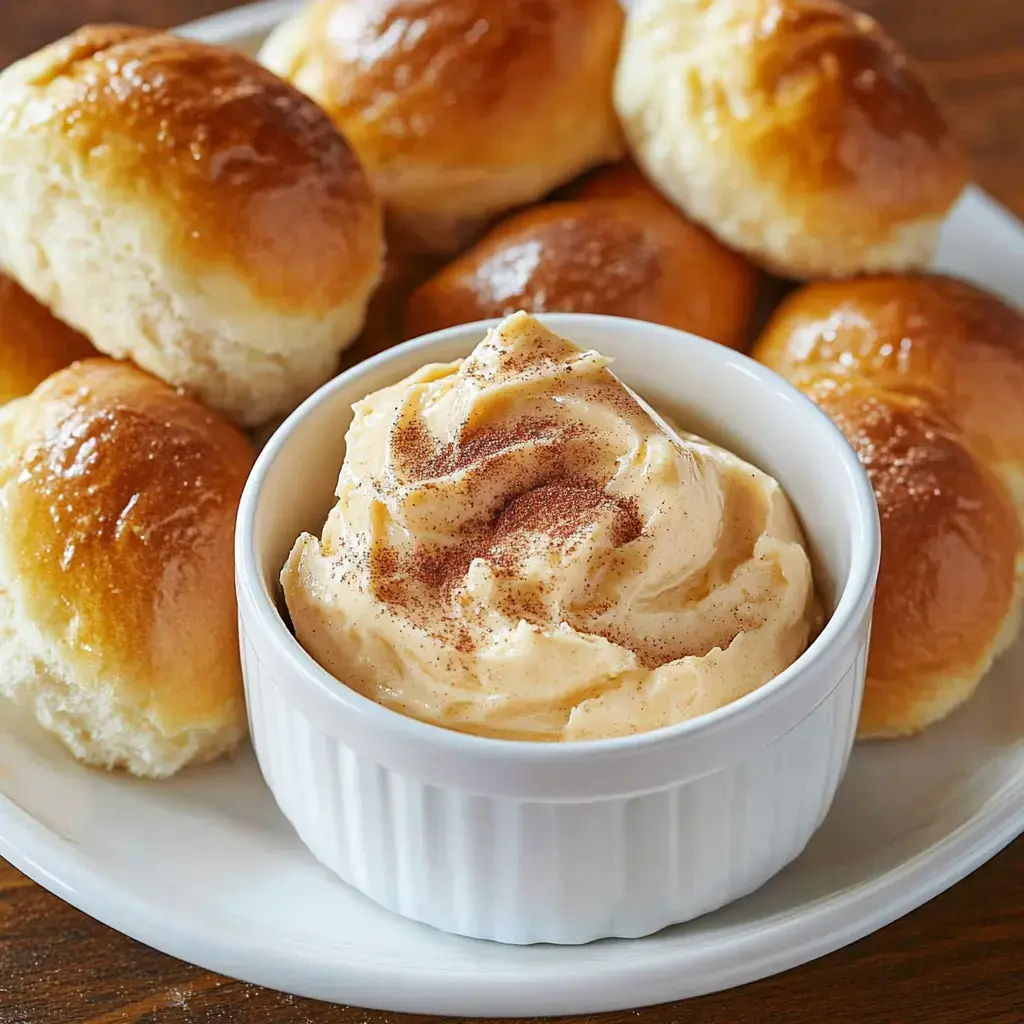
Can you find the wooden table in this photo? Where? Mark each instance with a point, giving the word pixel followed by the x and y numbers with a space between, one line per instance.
pixel 958 960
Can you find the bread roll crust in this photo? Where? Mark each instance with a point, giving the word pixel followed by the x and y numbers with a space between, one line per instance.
pixel 795 129
pixel 950 343
pixel 246 174
pixel 187 209
pixel 947 601
pixel 404 272
pixel 460 109
pixel 33 342
pixel 846 93
pixel 924 375
pixel 117 505
pixel 623 257
pixel 622 180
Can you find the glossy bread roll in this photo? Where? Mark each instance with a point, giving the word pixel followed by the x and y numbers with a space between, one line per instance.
pixel 956 346
pixel 924 376
pixel 33 342
pixel 118 623
pixel 948 599
pixel 622 257
pixel 186 209
pixel 460 109
pixel 621 180
pixel 404 272
pixel 794 129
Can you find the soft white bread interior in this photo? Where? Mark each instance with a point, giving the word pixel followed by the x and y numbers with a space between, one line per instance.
pixel 188 210
pixel 793 129
pixel 118 624
pixel 460 109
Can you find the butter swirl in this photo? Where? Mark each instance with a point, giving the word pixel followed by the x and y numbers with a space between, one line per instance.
pixel 518 550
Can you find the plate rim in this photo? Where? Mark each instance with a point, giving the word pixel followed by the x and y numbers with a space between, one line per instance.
pixel 246 19
pixel 810 931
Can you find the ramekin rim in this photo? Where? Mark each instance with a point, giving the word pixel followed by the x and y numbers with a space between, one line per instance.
pixel 856 594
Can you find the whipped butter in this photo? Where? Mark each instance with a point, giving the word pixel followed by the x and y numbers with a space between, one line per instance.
pixel 518 550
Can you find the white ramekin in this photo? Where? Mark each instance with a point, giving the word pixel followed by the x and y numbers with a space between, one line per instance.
pixel 566 843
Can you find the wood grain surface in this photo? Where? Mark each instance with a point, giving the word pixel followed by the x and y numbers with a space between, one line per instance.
pixel 958 960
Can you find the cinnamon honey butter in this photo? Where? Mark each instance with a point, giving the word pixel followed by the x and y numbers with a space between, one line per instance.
pixel 518 550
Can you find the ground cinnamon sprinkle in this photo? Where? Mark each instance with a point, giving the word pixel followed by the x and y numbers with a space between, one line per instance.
pixel 493 439
pixel 420 457
pixel 562 509
pixel 526 606
pixel 386 575
pixel 413 447
pixel 547 502
pixel 557 512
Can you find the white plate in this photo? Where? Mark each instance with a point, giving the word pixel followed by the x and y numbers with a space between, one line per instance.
pixel 205 868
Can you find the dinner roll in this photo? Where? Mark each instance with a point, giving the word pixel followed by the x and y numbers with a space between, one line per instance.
pixel 924 374
pixel 794 129
pixel 460 109
pixel 117 607
pixel 622 257
pixel 33 342
pixel 947 341
pixel 621 180
pixel 186 209
pixel 948 598
pixel 404 272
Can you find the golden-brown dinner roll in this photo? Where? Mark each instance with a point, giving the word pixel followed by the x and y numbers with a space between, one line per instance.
pixel 621 257
pixel 186 209
pixel 118 623
pixel 924 374
pixel 460 109
pixel 33 342
pixel 794 129
pixel 404 272
pixel 622 180
pixel 949 342
pixel 948 598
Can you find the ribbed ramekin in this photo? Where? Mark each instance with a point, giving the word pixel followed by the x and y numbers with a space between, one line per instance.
pixel 566 843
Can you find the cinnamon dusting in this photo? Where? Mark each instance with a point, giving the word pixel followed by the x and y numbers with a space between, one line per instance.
pixel 497 519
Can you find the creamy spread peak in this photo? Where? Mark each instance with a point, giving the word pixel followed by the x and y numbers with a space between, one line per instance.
pixel 519 550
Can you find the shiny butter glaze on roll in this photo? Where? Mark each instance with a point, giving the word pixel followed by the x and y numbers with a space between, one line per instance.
pixel 118 621
pixel 186 209
pixel 459 109
pixel 947 342
pixel 924 375
pixel 628 257
pixel 796 130
pixel 948 599
pixel 518 551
